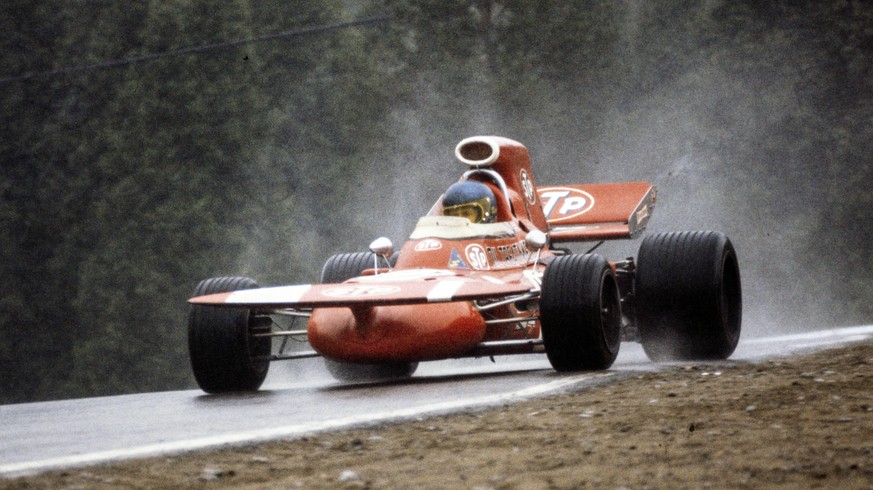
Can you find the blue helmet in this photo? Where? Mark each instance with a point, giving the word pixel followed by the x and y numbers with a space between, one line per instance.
pixel 471 200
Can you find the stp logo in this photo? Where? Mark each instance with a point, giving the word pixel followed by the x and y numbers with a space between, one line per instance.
pixel 476 257
pixel 428 245
pixel 562 203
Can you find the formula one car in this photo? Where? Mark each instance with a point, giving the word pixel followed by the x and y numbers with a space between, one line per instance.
pixel 482 275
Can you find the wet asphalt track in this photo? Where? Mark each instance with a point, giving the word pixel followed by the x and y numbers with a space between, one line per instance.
pixel 299 398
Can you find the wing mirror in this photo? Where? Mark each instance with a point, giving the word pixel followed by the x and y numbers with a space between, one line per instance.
pixel 382 247
pixel 536 240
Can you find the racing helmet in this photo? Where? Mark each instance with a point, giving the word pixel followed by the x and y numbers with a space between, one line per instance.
pixel 472 200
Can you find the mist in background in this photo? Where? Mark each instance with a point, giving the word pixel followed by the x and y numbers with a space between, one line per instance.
pixel 748 118
pixel 123 187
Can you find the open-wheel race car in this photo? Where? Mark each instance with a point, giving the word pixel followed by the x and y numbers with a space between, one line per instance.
pixel 481 275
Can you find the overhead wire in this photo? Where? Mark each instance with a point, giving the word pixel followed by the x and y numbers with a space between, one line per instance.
pixel 193 50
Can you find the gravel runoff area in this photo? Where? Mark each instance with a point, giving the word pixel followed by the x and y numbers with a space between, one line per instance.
pixel 803 422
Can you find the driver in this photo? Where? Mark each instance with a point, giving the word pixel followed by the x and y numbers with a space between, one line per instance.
pixel 471 200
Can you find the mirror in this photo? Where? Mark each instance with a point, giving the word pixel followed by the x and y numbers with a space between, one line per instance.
pixel 382 247
pixel 536 240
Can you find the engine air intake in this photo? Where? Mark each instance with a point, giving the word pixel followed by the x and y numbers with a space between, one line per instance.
pixel 477 151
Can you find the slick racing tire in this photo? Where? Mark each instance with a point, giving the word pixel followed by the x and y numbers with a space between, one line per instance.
pixel 339 268
pixel 580 313
pixel 225 357
pixel 344 266
pixel 689 300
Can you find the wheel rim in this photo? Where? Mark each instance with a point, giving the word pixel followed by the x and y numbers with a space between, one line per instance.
pixel 610 313
pixel 730 298
pixel 259 348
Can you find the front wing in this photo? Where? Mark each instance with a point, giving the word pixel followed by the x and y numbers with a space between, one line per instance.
pixel 365 291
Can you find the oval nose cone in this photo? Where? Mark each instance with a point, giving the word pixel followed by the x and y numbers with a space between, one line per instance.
pixel 396 333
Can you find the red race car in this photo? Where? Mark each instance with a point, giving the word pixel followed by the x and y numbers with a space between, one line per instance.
pixel 482 275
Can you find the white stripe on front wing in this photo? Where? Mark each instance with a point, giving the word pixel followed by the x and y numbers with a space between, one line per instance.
pixel 281 294
pixel 444 291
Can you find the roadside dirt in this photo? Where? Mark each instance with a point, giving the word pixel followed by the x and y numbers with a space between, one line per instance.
pixel 790 423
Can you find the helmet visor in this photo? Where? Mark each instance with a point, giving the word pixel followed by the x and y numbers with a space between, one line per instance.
pixel 478 211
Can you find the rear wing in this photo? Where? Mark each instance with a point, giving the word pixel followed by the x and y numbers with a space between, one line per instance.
pixel 588 212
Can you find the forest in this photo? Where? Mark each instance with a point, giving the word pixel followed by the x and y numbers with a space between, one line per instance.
pixel 148 145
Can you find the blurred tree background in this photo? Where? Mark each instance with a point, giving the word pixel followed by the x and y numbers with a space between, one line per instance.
pixel 145 146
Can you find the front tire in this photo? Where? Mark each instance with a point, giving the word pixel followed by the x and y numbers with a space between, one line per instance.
pixel 341 267
pixel 689 296
pixel 580 313
pixel 225 357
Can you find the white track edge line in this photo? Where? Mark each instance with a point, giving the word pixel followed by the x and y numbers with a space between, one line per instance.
pixel 291 431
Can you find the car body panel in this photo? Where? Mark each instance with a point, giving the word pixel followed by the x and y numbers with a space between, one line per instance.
pixel 397 333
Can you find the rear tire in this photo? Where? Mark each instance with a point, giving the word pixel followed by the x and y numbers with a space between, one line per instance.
pixel 689 296
pixel 580 313
pixel 224 355
pixel 337 269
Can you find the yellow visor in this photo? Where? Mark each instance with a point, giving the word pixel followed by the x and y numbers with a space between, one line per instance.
pixel 478 211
